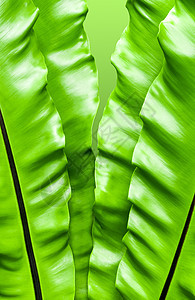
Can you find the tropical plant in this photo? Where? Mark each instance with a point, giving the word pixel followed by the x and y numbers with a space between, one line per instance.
pixel 138 60
pixel 143 239
pixel 162 187
pixel 72 83
pixel 35 259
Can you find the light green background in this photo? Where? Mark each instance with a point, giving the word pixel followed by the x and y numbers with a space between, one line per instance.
pixel 104 25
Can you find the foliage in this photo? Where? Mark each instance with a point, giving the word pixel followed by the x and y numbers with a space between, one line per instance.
pixel 33 199
pixel 138 59
pixel 72 83
pixel 143 238
pixel 162 187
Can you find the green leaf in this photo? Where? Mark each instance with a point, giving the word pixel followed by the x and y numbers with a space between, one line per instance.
pixel 72 82
pixel 138 59
pixel 163 185
pixel 182 286
pixel 16 281
pixel 38 167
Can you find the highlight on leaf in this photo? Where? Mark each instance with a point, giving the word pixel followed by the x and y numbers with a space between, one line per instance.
pixel 72 83
pixel 163 185
pixel 36 261
pixel 138 59
pixel 120 228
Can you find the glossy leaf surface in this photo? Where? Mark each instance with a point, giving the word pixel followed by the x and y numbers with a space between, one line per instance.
pixel 138 60
pixel 37 143
pixel 72 83
pixel 16 281
pixel 163 185
pixel 182 285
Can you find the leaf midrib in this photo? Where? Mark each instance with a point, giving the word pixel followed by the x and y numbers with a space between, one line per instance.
pixel 23 215
pixel 178 252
